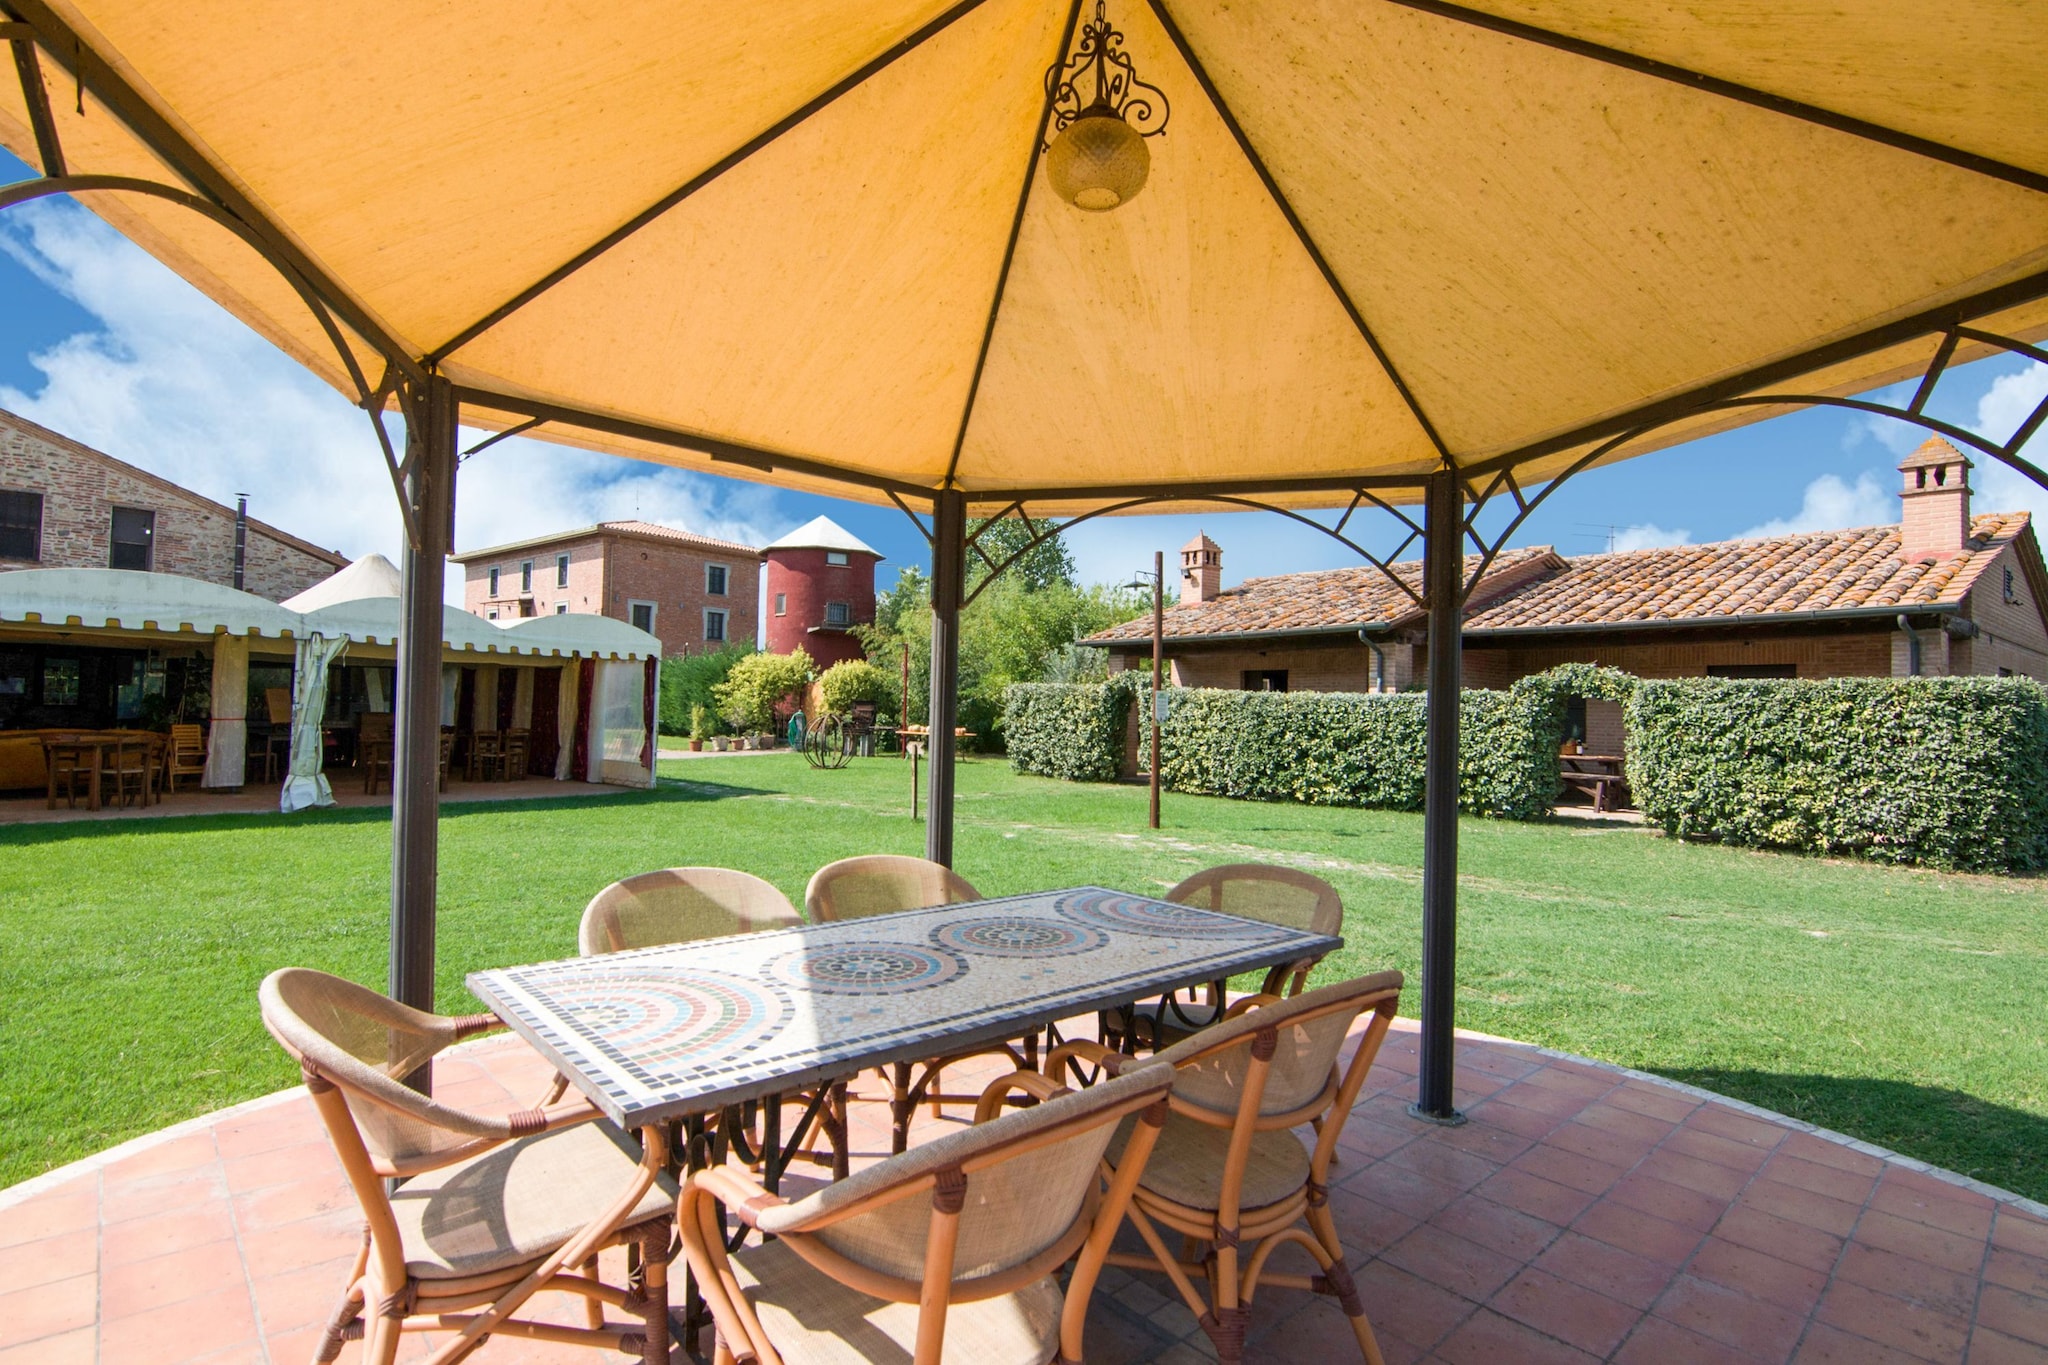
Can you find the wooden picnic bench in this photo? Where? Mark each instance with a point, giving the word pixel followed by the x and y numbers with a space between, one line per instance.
pixel 1599 775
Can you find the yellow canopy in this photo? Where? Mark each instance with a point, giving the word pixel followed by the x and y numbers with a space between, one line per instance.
pixel 811 235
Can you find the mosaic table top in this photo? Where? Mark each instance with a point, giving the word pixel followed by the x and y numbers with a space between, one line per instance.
pixel 659 1033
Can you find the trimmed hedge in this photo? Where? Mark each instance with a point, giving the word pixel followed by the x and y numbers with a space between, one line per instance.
pixel 1951 772
pixel 1073 731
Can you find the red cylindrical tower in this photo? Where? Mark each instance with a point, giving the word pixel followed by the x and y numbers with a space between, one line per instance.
pixel 820 584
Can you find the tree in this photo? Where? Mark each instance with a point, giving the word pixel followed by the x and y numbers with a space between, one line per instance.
pixel 1040 567
pixel 692 680
pixel 854 680
pixel 749 694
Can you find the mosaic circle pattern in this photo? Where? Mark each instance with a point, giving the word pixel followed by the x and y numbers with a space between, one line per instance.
pixel 664 1016
pixel 867 968
pixel 1019 936
pixel 1160 919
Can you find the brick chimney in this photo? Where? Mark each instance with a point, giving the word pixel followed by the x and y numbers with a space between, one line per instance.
pixel 1201 570
pixel 1935 502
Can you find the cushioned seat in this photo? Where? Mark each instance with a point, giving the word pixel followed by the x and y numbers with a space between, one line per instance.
pixel 1187 1165
pixel 518 1202
pixel 813 1319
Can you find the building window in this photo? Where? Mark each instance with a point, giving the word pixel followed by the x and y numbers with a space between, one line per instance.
pixel 494 584
pixel 714 626
pixel 838 614
pixel 60 682
pixel 835 557
pixel 641 614
pixel 134 539
pixel 2005 672
pixel 782 604
pixel 1752 670
pixel 526 575
pixel 714 580
pixel 492 614
pixel 561 571
pixel 1265 680
pixel 21 527
pixel 561 608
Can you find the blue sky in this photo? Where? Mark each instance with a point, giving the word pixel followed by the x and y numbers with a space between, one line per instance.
pixel 103 344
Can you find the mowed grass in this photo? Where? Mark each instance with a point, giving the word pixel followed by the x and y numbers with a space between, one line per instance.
pixel 1902 1006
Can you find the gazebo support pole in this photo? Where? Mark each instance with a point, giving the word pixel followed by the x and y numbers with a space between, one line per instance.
pixel 430 412
pixel 949 574
pixel 1443 571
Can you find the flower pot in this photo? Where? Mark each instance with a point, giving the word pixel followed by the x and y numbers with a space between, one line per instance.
pixel 696 746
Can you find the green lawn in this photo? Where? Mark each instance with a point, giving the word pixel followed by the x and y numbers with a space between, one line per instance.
pixel 1904 1007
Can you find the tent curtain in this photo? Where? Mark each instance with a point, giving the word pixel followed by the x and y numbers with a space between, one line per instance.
pixel 522 698
pixel 647 717
pixel 619 734
pixel 305 784
pixel 566 715
pixel 227 741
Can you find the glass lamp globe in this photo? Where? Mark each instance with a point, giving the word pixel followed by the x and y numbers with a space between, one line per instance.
pixel 1098 161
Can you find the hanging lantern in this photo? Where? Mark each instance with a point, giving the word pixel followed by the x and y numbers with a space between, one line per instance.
pixel 1101 115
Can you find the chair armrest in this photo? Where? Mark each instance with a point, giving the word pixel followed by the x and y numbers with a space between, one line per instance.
pixel 1083 1050
pixel 1249 1002
pixel 997 1092
pixel 471 1025
pixel 742 1197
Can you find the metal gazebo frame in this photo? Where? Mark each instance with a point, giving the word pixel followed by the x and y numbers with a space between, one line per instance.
pixel 1452 495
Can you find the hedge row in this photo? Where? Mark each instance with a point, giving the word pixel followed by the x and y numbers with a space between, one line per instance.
pixel 1950 772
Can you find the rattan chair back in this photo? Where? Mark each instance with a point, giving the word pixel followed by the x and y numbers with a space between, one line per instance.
pixel 1261 891
pixel 881 884
pixel 680 905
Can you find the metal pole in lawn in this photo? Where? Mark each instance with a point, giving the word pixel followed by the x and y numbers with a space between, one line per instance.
pixel 1443 572
pixel 1158 652
pixel 430 420
pixel 949 573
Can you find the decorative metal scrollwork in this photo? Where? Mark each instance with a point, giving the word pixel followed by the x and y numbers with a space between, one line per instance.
pixel 1117 87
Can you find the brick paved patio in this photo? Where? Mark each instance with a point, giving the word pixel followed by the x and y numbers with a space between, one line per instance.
pixel 1581 1215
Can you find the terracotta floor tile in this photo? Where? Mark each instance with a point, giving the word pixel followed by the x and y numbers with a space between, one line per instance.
pixel 178 1154
pixel 1916 1282
pixel 140 1239
pixel 1532 1194
pixel 69 1207
pixel 1400 1189
pixel 53 1258
pixel 1730 1123
pixel 1658 1341
pixel 1851 1187
pixel 1801 1206
pixel 1826 1152
pixel 1656 1101
pixel 1995 1348
pixel 1919 1332
pixel 282 1205
pixel 1715 1181
pixel 1483 1139
pixel 1921 1241
pixel 1572 1314
pixel 1450 1262
pixel 1825 1345
pixel 1573 1169
pixel 1363 1137
pixel 1606 1269
pixel 2020 1232
pixel 1963 1212
pixel 1662 1199
pixel 1365 1227
pixel 281 1166
pixel 167 1192
pixel 1513 1118
pixel 281 1125
pixel 2017 1270
pixel 188 1273
pixel 1792 1287
pixel 294 1246
pixel 1408 1307
pixel 1487 1338
pixel 1560 1104
pixel 2013 1313
pixel 1731 1317
pixel 80 1347
pixel 1638 1233
pixel 1612 1118
pixel 1496 1227
pixel 1444 1165
pixel 48 1309
pixel 1689 1141
pixel 216 1321
pixel 1780 1237
pixel 1600 1144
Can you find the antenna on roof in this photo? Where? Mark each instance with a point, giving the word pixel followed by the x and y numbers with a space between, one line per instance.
pixel 1595 531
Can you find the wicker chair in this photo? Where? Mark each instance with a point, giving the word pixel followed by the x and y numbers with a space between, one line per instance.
pixel 882 884
pixel 1228 1173
pixel 949 1252
pixel 486 1210
pixel 1260 891
pixel 680 905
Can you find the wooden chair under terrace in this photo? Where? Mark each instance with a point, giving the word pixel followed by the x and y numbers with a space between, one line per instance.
pixel 1228 1173
pixel 373 749
pixel 185 757
pixel 949 1252
pixel 485 1210
pixel 68 766
pixel 518 753
pixel 881 884
pixel 129 769
pixel 1260 891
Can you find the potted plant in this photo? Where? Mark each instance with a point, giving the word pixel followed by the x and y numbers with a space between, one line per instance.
pixel 718 744
pixel 700 721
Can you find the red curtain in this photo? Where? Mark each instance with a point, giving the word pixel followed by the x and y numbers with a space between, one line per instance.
pixel 579 743
pixel 647 712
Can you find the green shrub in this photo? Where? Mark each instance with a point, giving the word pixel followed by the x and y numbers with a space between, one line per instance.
pixel 1067 730
pixel 855 680
pixel 1951 772
pixel 756 683
pixel 690 680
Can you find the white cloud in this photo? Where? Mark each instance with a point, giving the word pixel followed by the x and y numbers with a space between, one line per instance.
pixel 172 383
pixel 1648 536
pixel 1830 505
pixel 2007 403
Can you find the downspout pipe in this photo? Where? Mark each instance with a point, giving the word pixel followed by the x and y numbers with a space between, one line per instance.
pixel 1379 659
pixel 1912 646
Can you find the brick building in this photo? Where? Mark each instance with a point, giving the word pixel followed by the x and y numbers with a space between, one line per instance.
pixel 64 505
pixel 821 584
pixel 693 592
pixel 1943 592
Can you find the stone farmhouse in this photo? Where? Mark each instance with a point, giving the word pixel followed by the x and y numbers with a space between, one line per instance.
pixel 1943 592
pixel 64 505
